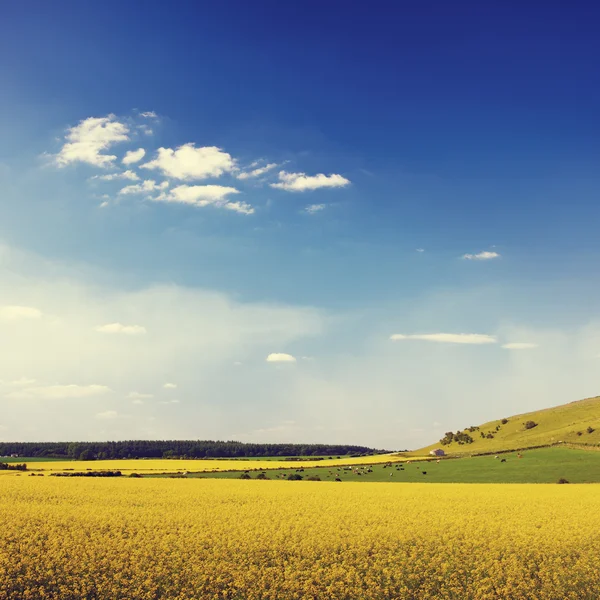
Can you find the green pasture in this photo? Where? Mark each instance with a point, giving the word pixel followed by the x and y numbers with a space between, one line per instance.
pixel 545 465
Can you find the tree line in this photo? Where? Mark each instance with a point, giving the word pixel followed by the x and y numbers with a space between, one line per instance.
pixel 175 449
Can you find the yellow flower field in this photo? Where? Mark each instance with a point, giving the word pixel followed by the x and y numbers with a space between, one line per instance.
pixel 225 539
pixel 204 465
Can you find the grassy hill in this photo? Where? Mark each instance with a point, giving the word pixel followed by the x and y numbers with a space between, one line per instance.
pixel 567 423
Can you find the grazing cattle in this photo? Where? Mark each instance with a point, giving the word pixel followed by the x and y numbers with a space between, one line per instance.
pixel 337 479
pixel 503 460
pixel 424 472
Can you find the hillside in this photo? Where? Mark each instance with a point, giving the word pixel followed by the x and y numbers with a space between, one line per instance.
pixel 567 423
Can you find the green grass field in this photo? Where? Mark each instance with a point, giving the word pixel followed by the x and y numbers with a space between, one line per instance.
pixel 545 465
pixel 575 422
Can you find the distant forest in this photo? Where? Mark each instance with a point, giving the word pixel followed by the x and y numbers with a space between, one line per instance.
pixel 174 449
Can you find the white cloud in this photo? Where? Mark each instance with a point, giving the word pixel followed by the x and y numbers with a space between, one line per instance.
pixel 149 114
pixel 59 392
pixel 147 186
pixel 114 176
pixel 188 162
pixel 300 182
pixel 481 256
pixel 169 402
pixel 12 313
pixel 23 381
pixel 420 249
pixel 86 141
pixel 139 396
pixel 119 328
pixel 103 204
pixel 205 195
pixel 107 414
pixel 448 338
pixel 256 172
pixel 137 401
pixel 170 386
pixel 519 346
pixel 241 207
pixel 280 357
pixel 133 156
pixel 314 208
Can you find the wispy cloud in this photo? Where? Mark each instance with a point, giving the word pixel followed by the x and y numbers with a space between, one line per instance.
pixel 58 392
pixel 256 172
pixel 301 182
pixel 86 141
pixel 147 186
pixel 114 176
pixel 119 328
pixel 23 381
pixel 205 195
pixel 519 346
pixel 170 386
pixel 133 156
pixel 188 162
pixel 280 357
pixel 107 414
pixel 149 114
pixel 311 209
pixel 448 338
pixel 139 396
pixel 13 313
pixel 481 256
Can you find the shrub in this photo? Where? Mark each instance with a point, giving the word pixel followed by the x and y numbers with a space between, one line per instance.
pixel 579 433
pixel 562 480
pixel 12 467
pixel 590 430
pixel 504 421
pixel 245 476
pixel 313 478
pixel 462 437
pixel 262 476
pixel 530 424
pixel 294 477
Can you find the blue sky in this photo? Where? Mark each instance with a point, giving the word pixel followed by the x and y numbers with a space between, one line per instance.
pixel 315 180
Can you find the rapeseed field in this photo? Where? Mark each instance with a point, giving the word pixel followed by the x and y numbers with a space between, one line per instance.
pixel 226 539
pixel 204 465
